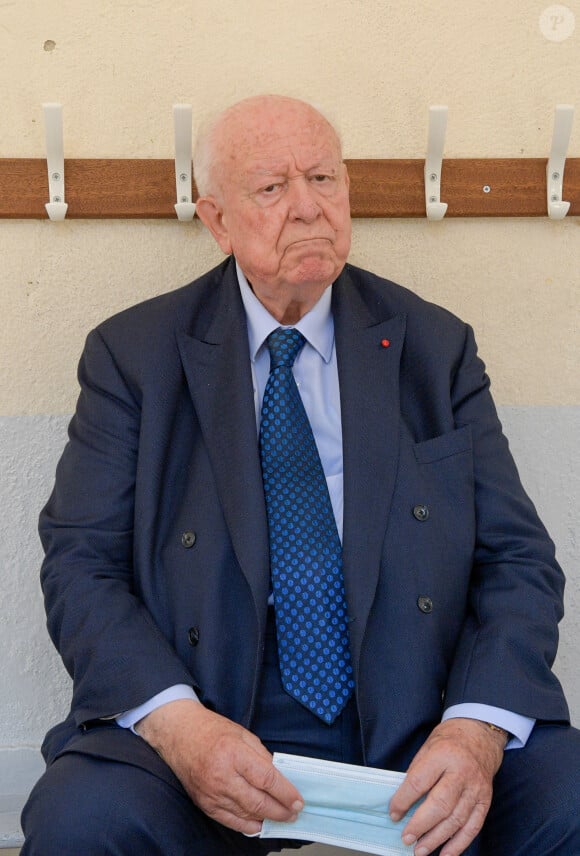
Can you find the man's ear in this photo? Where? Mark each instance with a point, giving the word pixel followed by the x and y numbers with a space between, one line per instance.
pixel 211 214
pixel 346 176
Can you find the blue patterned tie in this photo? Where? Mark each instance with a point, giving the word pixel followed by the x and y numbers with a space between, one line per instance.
pixel 305 550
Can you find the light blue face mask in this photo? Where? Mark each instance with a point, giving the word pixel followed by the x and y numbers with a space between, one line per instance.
pixel 344 805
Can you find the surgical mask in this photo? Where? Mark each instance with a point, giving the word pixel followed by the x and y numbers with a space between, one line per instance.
pixel 344 805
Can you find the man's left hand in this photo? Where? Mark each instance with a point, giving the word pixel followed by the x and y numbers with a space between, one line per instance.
pixel 454 771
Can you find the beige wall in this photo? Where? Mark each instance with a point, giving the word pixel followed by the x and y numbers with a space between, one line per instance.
pixel 376 65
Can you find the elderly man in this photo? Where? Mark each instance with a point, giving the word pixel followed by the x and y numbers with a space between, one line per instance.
pixel 287 519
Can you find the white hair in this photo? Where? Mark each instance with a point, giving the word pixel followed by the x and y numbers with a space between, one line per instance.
pixel 205 165
pixel 204 154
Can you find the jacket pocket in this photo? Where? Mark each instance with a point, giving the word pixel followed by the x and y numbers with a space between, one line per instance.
pixel 444 446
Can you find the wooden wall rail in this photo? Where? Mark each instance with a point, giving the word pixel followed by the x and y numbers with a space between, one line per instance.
pixel 127 188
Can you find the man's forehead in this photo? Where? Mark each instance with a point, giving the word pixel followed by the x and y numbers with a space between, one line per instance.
pixel 266 141
pixel 278 159
pixel 278 153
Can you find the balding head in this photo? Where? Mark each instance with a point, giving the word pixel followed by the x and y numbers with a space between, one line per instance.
pixel 224 133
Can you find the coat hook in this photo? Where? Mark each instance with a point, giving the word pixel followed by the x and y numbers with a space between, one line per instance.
pixel 56 207
pixel 433 162
pixel 184 208
pixel 563 118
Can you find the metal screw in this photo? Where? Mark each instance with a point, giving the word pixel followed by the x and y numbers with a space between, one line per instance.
pixel 432 199
pixel 555 176
pixel 486 188
pixel 56 199
pixel 554 197
pixel 56 176
pixel 183 199
pixel 433 176
pixel 183 177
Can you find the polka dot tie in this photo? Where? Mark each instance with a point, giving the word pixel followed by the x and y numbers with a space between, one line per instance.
pixel 305 550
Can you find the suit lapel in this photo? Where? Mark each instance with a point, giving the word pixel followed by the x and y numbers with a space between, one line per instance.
pixel 218 374
pixel 369 346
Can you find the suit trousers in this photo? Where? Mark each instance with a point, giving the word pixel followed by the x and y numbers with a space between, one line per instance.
pixel 125 800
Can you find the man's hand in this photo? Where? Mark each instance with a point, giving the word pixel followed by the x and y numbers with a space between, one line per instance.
pixel 454 770
pixel 224 768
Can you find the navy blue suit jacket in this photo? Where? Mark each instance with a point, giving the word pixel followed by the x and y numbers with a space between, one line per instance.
pixel 458 603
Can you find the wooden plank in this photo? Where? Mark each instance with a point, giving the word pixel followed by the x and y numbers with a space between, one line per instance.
pixel 517 187
pixel 94 188
pixel 145 188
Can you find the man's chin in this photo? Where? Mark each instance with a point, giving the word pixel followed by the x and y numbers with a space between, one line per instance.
pixel 314 272
pixel 316 266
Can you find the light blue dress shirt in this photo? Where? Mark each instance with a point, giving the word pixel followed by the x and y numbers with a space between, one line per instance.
pixel 316 374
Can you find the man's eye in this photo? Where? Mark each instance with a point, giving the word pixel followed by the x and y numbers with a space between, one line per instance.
pixel 270 189
pixel 319 179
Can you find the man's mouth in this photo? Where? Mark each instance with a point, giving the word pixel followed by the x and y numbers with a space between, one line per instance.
pixel 313 239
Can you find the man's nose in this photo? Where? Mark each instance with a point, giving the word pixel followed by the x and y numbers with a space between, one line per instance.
pixel 303 202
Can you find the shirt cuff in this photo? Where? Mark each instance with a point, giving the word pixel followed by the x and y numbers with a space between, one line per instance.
pixel 520 727
pixel 174 693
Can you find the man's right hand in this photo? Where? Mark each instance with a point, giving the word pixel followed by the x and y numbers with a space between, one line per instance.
pixel 224 768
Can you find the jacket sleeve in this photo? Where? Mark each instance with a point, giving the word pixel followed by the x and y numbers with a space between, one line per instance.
pixel 115 653
pixel 510 635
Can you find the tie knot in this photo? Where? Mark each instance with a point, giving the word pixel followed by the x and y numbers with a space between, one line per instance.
pixel 284 346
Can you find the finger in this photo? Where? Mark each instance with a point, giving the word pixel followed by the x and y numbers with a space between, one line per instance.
pixel 456 832
pixel 245 808
pixel 258 805
pixel 276 789
pixel 254 790
pixel 417 783
pixel 234 821
pixel 442 803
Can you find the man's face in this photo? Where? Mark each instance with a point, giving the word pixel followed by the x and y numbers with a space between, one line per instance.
pixel 283 207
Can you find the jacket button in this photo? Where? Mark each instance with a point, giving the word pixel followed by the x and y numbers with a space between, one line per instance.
pixel 188 539
pixel 420 512
pixel 425 604
pixel 193 636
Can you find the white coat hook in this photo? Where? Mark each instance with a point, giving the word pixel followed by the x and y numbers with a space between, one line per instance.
pixel 433 163
pixel 184 208
pixel 56 207
pixel 564 115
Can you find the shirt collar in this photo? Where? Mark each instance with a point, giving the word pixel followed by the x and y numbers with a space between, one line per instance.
pixel 317 326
